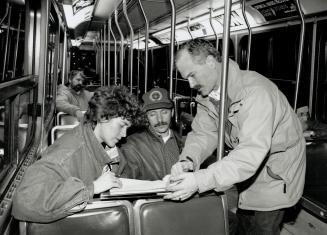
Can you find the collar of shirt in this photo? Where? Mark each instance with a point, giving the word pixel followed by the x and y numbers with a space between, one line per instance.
pixel 215 94
pixel 159 137
pixel 112 153
pixel 165 139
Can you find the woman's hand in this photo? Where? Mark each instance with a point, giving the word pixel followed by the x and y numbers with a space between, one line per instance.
pixel 105 182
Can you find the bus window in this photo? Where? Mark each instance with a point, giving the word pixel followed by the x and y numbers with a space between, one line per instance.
pixel 52 66
pixel 320 90
pixel 268 58
pixel 24 101
pixel 12 47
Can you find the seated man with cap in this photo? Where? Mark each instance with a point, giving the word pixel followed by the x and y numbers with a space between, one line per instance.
pixel 150 154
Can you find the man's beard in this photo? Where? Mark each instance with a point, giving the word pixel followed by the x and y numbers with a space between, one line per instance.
pixel 77 88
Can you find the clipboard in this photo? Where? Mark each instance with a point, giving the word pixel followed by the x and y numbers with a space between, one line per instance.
pixel 132 188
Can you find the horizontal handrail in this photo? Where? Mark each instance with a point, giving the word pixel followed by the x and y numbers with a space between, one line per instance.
pixel 19 86
pixel 18 80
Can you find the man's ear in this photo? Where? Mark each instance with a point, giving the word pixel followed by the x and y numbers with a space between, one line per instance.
pixel 172 112
pixel 211 61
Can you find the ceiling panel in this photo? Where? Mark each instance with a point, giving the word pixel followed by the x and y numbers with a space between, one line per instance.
pixel 158 13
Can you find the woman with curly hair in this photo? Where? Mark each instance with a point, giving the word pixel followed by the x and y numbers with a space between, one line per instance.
pixel 74 168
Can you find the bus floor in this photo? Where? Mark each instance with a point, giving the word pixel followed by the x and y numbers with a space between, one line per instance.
pixel 305 224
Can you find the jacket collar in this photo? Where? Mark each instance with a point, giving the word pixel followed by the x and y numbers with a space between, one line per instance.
pixel 235 83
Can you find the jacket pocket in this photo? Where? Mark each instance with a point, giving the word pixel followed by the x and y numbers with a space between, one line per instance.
pixel 285 164
pixel 276 177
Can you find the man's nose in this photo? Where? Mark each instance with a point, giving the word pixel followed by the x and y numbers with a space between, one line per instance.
pixel 159 118
pixel 192 82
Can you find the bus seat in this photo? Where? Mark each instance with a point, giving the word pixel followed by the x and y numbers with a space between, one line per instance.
pixel 205 215
pixel 58 131
pixel 98 218
pixel 66 119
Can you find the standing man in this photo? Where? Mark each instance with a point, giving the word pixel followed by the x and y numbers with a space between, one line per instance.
pixel 149 155
pixel 268 148
pixel 73 99
pixel 75 168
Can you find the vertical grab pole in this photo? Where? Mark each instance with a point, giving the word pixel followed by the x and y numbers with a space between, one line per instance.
pixel 17 44
pixel 115 52
pixel 64 58
pixel 104 54
pixel 6 46
pixel 101 64
pixel 146 47
pixel 97 57
pixel 131 46
pixel 250 35
pixel 172 45
pixel 213 28
pixel 312 72
pixel 138 65
pixel 224 76
pixel 109 49
pixel 188 27
pixel 299 61
pixel 121 58
pixel 176 73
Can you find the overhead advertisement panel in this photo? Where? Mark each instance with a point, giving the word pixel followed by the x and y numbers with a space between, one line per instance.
pixel 80 4
pixel 276 9
pixel 79 12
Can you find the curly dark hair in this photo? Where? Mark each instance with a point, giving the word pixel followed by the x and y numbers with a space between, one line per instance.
pixel 199 49
pixel 111 102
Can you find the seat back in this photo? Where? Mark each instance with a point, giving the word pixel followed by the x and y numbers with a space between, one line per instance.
pixel 66 119
pixel 22 133
pixel 98 218
pixel 58 131
pixel 203 215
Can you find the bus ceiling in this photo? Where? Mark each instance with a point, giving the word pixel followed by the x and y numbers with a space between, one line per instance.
pixel 85 19
pixel 18 2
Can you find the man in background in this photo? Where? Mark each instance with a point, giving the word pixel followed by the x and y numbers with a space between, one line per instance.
pixel 73 99
pixel 150 154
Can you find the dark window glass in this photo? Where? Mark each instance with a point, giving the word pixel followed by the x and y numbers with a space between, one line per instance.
pixel 12 36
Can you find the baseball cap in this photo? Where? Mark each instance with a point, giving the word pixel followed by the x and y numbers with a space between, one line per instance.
pixel 156 98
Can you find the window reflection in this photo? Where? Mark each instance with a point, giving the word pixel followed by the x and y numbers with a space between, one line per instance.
pixel 24 100
pixel 3 163
pixel 52 63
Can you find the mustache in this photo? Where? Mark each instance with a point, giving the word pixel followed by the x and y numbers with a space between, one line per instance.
pixel 160 124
